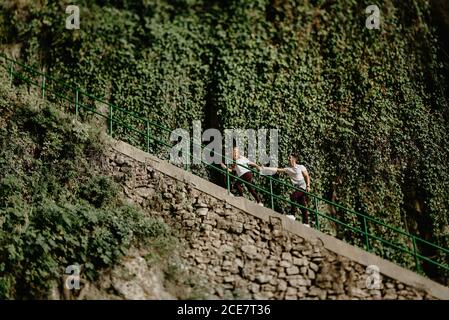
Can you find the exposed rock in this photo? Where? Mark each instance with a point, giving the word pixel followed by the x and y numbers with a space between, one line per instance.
pixel 132 280
pixel 311 274
pixel 299 261
pixel 314 291
pixel 296 283
pixel 145 192
pixel 202 211
pixel 263 278
pixel 291 292
pixel 250 251
pixel 286 256
pixel 282 285
pixel 313 266
pixel 292 270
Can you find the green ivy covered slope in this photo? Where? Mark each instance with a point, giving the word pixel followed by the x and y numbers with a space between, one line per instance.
pixel 56 208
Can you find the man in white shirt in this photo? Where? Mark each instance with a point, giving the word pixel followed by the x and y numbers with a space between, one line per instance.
pixel 240 167
pixel 300 179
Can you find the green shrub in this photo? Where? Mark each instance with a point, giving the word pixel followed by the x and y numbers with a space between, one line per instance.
pixel 99 191
pixel 56 209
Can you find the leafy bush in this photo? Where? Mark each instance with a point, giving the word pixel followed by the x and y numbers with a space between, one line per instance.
pixel 56 209
pixel 99 191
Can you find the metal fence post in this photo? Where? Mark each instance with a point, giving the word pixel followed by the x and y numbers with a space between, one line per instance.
pixel 43 86
pixel 148 136
pixel 271 193
pixel 189 156
pixel 76 103
pixel 11 73
pixel 366 234
pixel 228 185
pixel 110 120
pixel 317 221
pixel 418 268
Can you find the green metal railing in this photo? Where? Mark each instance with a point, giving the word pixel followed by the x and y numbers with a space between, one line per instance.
pixel 365 231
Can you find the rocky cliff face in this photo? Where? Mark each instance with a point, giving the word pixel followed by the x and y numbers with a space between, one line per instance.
pixel 233 254
pixel 131 279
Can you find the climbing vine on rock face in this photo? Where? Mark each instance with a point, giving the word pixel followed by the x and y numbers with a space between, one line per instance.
pixel 366 109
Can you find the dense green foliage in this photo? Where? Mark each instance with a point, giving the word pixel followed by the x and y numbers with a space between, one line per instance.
pixel 366 109
pixel 56 209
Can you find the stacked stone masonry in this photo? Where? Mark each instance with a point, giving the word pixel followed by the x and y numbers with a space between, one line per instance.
pixel 241 256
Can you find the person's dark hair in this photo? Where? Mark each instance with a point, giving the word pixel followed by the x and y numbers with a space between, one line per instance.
pixel 294 156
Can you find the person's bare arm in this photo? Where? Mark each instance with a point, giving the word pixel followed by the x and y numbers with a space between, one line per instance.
pixel 255 165
pixel 306 175
pixel 275 170
pixel 225 167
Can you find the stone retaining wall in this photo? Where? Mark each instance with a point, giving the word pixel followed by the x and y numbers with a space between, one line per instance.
pixel 241 250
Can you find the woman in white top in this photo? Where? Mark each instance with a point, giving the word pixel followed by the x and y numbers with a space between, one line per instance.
pixel 301 179
pixel 240 167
